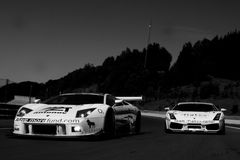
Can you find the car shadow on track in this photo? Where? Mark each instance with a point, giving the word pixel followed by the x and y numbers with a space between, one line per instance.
pixel 10 135
pixel 194 133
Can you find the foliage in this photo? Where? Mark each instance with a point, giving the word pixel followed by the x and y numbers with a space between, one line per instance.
pixel 123 75
pixel 217 57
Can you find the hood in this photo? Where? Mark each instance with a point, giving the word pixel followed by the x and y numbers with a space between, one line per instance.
pixel 195 116
pixel 56 111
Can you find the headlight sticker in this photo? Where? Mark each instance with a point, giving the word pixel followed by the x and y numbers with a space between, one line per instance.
pixel 100 111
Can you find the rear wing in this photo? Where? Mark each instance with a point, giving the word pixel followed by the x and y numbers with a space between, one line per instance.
pixel 139 98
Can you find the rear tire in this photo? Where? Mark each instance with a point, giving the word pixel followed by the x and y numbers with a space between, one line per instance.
pixel 109 124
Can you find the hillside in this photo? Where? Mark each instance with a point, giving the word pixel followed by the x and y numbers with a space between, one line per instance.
pixel 206 70
pixel 123 75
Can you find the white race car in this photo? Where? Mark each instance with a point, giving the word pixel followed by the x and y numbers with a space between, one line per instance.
pixel 195 117
pixel 78 114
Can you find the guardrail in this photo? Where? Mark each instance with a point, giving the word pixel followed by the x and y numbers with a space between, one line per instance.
pixel 8 111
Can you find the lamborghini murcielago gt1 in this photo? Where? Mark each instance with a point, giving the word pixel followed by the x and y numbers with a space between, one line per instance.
pixel 78 114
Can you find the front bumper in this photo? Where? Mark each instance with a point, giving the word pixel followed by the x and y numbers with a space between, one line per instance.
pixel 60 129
pixel 210 127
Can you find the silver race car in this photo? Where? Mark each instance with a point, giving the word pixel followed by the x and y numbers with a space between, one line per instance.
pixel 78 114
pixel 195 117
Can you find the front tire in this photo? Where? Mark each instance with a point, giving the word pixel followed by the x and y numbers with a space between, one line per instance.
pixel 109 124
pixel 138 123
pixel 165 128
pixel 223 130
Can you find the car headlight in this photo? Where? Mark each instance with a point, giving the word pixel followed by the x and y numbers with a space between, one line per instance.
pixel 171 115
pixel 84 113
pixel 23 111
pixel 217 117
pixel 76 129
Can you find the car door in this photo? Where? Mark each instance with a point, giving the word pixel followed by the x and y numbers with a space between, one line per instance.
pixel 131 113
pixel 121 115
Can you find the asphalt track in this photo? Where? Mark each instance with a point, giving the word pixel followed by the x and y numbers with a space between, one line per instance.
pixel 152 143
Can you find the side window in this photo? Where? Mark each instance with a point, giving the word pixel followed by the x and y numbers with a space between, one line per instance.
pixel 110 100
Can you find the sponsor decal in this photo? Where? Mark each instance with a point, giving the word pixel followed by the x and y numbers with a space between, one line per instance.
pixel 31 120
pixel 54 110
pixel 194 115
pixel 63 120
pixel 193 121
pixel 43 120
pixel 207 121
pixel 181 121
pixel 90 124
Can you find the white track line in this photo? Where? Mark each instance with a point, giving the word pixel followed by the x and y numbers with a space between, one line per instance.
pixel 4 128
pixel 233 127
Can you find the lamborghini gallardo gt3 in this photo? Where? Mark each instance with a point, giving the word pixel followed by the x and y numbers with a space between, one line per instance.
pixel 195 117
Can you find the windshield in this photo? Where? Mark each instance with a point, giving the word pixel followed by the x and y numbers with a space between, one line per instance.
pixel 195 107
pixel 75 99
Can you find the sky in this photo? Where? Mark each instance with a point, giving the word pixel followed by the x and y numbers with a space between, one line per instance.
pixel 42 40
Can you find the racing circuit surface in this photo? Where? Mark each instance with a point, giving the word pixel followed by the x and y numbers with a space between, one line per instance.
pixel 152 143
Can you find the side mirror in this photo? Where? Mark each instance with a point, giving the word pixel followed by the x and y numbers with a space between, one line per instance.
pixel 166 108
pixel 223 109
pixel 37 100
